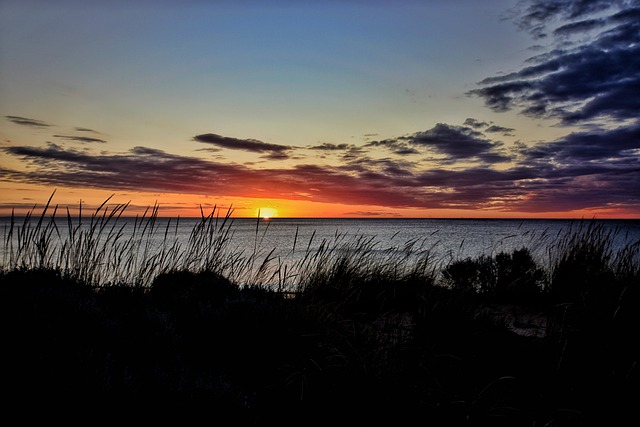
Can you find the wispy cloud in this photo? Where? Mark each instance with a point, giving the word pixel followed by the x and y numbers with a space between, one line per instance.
pixel 81 129
pixel 24 121
pixel 327 146
pixel 277 152
pixel 499 129
pixel 85 139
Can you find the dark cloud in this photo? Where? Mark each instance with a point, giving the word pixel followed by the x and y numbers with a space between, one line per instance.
pixel 459 143
pixel 327 146
pixel 353 153
pixel 579 27
pixel 396 146
pixel 380 167
pixel 596 79
pixel 590 169
pixel 551 177
pixel 80 138
pixel 405 150
pixel 386 143
pixel 538 13
pixel 602 146
pixel 27 122
pixel 252 145
pixel 276 155
pixel 476 124
pixel 499 129
pixel 148 169
pixel 489 127
pixel 456 142
pixel 80 129
pixel 142 168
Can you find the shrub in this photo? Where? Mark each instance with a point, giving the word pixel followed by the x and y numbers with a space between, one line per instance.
pixel 476 275
pixel 508 276
pixel 518 276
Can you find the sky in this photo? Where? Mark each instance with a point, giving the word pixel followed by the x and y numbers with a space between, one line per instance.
pixel 354 108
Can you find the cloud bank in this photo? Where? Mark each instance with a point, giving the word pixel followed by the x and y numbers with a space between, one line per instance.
pixel 584 170
pixel 590 78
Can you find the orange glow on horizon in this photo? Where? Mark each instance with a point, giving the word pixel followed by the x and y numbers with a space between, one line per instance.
pixel 27 198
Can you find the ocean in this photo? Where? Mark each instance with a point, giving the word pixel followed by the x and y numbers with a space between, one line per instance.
pixel 259 249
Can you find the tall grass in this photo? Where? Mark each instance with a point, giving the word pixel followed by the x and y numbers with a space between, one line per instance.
pixel 107 247
pixel 352 321
pixel 595 288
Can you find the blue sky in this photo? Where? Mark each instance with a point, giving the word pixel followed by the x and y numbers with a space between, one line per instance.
pixel 417 108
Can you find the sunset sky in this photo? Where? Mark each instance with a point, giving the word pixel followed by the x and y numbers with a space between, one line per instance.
pixel 329 108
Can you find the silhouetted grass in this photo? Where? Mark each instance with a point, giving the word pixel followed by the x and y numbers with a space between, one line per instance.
pixel 114 319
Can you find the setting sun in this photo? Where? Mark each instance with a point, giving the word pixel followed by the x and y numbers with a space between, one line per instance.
pixel 266 213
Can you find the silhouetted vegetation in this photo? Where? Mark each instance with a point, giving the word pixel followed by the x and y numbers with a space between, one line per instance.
pixel 108 321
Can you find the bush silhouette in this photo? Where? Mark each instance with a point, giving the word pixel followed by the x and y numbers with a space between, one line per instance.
pixel 511 276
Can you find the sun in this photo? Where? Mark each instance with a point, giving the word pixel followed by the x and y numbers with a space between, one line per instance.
pixel 267 213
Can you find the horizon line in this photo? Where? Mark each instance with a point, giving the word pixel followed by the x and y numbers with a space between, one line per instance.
pixel 276 218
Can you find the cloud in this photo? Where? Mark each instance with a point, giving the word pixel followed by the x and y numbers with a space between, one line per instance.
pixel 600 146
pixel 499 129
pixel 403 150
pixel 595 79
pixel 80 138
pixel 459 143
pixel 537 15
pixel 252 145
pixel 27 122
pixel 396 146
pixel 489 127
pixel 141 168
pixel 147 169
pixel 579 27
pixel 549 177
pixel 599 168
pixel 276 156
pixel 327 146
pixel 476 124
pixel 380 167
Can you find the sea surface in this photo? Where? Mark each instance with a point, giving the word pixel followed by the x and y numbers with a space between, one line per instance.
pixel 277 242
pixel 450 238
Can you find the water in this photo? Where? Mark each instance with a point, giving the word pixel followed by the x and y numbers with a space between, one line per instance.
pixel 279 242
pixel 446 238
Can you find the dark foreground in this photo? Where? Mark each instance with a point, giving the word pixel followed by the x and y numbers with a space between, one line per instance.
pixel 194 346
